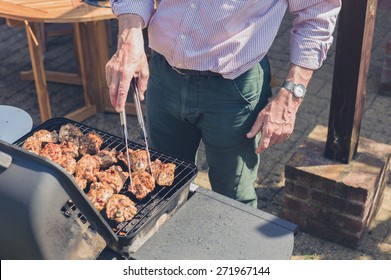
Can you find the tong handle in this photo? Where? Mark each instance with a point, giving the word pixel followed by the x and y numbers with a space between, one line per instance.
pixel 139 112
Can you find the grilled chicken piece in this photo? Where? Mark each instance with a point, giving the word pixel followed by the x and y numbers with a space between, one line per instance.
pixel 68 163
pixel 88 167
pixel 138 159
pixel 163 172
pixel 142 184
pixel 81 182
pixel 70 133
pixel 35 142
pixel 70 148
pixel 45 136
pixel 120 208
pixel 90 143
pixel 52 152
pixel 107 157
pixel 113 177
pixel 32 144
pixel 99 195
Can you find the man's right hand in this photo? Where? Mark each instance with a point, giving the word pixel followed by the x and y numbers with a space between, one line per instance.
pixel 129 61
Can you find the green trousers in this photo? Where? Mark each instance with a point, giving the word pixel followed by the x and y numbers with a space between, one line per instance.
pixel 182 109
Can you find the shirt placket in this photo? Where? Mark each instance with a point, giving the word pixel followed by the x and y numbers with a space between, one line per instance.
pixel 184 35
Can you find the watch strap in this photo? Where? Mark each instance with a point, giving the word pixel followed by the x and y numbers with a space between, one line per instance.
pixel 288 85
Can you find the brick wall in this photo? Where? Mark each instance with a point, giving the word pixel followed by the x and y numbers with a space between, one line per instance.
pixel 331 200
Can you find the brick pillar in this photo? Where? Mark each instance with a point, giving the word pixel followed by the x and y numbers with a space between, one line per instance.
pixel 332 200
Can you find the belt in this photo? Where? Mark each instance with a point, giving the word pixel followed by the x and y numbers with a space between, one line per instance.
pixel 188 71
pixel 195 72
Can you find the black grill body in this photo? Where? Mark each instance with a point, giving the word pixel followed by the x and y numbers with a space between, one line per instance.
pixel 46 216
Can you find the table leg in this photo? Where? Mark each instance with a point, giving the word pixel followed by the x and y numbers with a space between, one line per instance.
pixel 38 69
pixel 94 46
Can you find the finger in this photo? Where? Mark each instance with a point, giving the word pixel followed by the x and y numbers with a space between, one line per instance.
pixel 108 72
pixel 113 89
pixel 112 81
pixel 263 144
pixel 143 79
pixel 109 69
pixel 122 93
pixel 277 135
pixel 257 126
pixel 281 137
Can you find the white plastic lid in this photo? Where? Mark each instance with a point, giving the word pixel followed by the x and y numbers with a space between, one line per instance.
pixel 14 123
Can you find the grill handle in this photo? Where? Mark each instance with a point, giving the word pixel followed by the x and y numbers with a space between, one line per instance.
pixel 5 160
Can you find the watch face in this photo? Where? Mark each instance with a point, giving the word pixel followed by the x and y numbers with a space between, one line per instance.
pixel 299 91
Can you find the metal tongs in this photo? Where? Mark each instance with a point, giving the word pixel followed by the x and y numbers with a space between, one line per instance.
pixel 122 116
pixel 140 119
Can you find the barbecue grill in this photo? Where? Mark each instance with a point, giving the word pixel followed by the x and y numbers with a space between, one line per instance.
pixel 49 217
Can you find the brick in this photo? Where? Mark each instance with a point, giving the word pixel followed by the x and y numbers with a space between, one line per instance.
pixel 299 191
pixel 338 203
pixel 333 234
pixel 339 189
pixel 294 204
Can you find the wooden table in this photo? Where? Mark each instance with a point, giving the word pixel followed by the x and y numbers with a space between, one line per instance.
pixel 91 43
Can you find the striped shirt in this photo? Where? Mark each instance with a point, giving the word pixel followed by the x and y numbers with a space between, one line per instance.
pixel 231 36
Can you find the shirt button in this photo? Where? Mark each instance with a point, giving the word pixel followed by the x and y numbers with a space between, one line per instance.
pixel 179 65
pixel 183 36
pixel 193 5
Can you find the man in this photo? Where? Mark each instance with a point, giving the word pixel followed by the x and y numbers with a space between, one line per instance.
pixel 209 77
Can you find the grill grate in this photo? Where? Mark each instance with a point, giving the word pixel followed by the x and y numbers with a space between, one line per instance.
pixel 153 204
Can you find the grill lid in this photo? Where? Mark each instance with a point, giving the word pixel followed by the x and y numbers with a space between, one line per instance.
pixel 14 157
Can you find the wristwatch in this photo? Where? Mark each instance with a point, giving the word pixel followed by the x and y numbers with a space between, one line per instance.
pixel 298 90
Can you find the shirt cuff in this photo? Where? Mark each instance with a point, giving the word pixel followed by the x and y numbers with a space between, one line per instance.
pixel 308 53
pixel 143 8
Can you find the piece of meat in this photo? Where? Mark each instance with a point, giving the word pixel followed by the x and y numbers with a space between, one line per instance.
pixel 68 163
pixel 90 143
pixel 81 182
pixel 166 174
pixel 52 152
pixel 99 195
pixel 156 166
pixel 142 184
pixel 120 208
pixel 163 172
pixel 32 144
pixel 138 159
pixel 88 167
pixel 122 157
pixel 113 177
pixel 107 157
pixel 35 142
pixel 69 148
pixel 70 133
pixel 45 136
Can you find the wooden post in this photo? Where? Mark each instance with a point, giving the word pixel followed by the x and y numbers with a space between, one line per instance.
pixel 353 50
